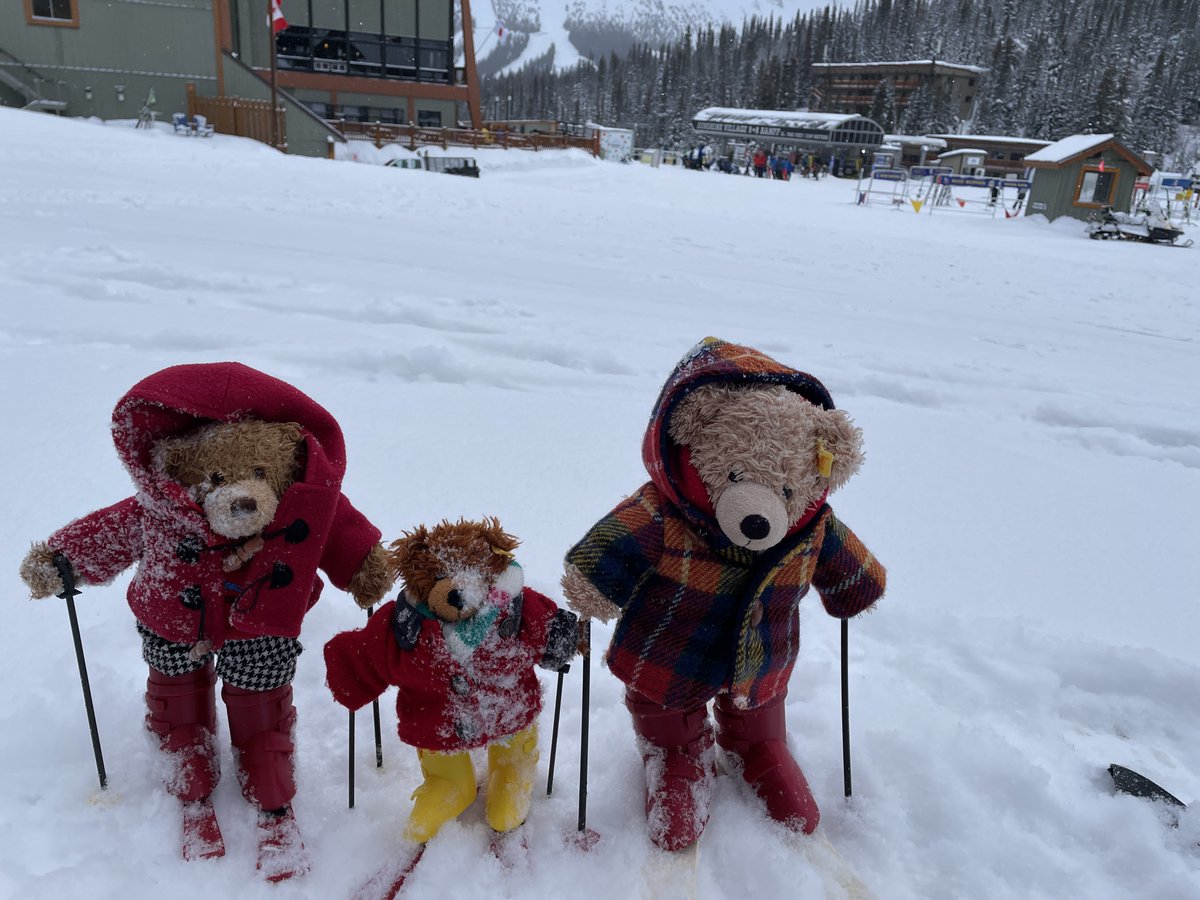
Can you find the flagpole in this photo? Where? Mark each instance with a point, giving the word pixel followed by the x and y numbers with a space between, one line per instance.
pixel 274 75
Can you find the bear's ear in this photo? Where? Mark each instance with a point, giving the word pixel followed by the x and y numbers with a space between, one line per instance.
pixel 289 441
pixel 697 413
pixel 401 552
pixel 501 542
pixel 176 458
pixel 839 446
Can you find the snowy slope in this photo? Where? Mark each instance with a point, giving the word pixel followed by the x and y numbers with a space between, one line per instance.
pixel 594 27
pixel 494 346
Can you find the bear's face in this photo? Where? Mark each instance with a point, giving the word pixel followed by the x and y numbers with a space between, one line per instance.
pixel 451 567
pixel 236 471
pixel 765 455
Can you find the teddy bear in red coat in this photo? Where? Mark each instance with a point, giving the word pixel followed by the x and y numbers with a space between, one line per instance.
pixel 460 643
pixel 238 504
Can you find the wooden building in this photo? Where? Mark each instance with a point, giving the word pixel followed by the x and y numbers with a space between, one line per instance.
pixel 390 61
pixel 1081 174
pixel 1003 155
pixel 851 87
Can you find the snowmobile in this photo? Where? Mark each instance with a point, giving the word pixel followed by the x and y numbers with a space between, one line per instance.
pixel 1148 227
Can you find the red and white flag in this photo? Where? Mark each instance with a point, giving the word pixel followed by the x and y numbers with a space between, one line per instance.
pixel 278 22
pixel 501 31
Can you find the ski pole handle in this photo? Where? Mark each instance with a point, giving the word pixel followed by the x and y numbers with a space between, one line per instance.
pixel 67 574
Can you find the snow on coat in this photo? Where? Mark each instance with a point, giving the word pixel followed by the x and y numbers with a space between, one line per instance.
pixel 461 685
pixel 700 615
pixel 180 590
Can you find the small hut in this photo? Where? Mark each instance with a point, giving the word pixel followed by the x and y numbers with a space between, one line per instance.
pixel 1081 174
pixel 967 161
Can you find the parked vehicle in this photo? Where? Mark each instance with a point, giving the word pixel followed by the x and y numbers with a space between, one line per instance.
pixel 450 165
pixel 1150 227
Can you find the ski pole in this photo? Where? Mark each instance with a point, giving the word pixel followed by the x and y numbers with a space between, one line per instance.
pixel 583 727
pixel 375 715
pixel 351 759
pixel 845 706
pixel 69 593
pixel 554 733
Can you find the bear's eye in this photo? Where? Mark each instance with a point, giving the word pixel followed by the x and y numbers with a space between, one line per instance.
pixel 216 478
pixel 787 492
pixel 736 476
pixel 260 473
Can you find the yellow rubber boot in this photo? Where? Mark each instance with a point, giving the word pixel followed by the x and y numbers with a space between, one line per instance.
pixel 512 764
pixel 448 789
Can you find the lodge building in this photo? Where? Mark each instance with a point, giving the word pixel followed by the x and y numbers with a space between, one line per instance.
pixel 388 61
pixel 851 87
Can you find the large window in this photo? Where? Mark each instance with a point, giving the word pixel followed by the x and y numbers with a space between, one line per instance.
pixel 1096 187
pixel 324 50
pixel 52 12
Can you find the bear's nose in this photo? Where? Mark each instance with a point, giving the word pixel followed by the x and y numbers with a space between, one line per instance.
pixel 243 506
pixel 755 527
pixel 454 598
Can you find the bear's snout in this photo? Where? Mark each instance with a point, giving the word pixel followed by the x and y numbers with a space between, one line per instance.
pixel 241 508
pixel 752 515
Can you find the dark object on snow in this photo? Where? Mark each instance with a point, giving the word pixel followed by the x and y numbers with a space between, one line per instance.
pixel 68 579
pixel 1130 782
pixel 1148 228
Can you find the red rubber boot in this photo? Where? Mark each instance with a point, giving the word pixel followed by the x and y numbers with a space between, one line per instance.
pixel 182 712
pixel 677 750
pixel 758 737
pixel 260 729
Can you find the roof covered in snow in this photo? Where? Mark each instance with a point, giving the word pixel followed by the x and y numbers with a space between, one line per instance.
pixel 906 63
pixel 1078 146
pixel 992 139
pixel 798 127
pixel 931 141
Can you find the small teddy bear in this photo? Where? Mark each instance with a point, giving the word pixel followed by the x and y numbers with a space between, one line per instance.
pixel 460 642
pixel 238 505
pixel 704 568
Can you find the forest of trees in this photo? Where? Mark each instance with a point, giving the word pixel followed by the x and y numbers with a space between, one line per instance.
pixel 1125 66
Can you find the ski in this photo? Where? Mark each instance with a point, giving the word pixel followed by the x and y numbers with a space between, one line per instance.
pixel 387 882
pixel 511 848
pixel 833 868
pixel 201 833
pixel 281 853
pixel 672 875
pixel 1130 782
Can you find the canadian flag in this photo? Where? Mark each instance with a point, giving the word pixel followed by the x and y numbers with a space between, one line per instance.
pixel 278 22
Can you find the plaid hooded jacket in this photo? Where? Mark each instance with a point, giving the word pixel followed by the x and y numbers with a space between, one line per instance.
pixel 700 615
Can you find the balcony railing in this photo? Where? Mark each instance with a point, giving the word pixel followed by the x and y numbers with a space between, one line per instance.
pixel 413 136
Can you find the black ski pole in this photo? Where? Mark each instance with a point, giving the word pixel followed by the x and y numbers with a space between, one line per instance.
pixel 554 733
pixel 69 593
pixel 351 759
pixel 845 705
pixel 375 715
pixel 583 727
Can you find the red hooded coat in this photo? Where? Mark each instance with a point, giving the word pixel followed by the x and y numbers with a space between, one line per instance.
pixel 453 701
pixel 180 591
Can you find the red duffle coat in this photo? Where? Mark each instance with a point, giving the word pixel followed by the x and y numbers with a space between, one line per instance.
pixel 445 702
pixel 180 591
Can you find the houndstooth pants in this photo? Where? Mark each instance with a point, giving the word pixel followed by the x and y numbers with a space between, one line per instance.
pixel 254 664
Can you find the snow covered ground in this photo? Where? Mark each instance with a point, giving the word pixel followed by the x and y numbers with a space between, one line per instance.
pixel 493 346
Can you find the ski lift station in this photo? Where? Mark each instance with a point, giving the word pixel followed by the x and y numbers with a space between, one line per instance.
pixel 841 141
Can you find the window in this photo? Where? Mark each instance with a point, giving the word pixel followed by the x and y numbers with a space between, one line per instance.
pixel 429 118
pixel 1096 188
pixel 52 12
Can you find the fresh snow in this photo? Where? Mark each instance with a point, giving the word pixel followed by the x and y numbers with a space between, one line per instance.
pixel 493 347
